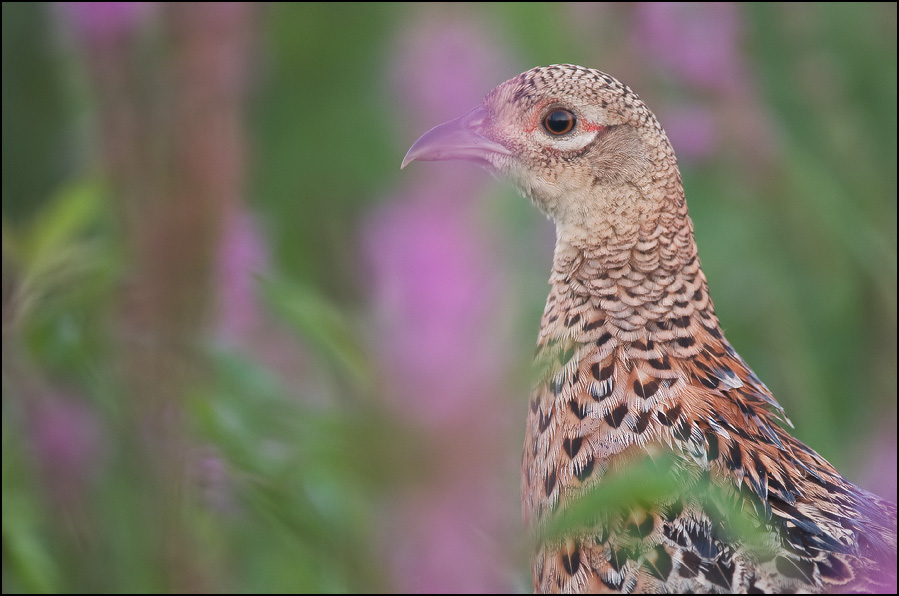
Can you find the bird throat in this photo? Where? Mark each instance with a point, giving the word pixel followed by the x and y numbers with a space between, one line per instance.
pixel 642 280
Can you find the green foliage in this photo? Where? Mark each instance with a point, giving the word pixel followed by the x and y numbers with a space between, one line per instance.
pixel 622 493
pixel 294 510
pixel 328 329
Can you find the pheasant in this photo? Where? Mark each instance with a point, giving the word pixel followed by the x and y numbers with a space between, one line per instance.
pixel 654 458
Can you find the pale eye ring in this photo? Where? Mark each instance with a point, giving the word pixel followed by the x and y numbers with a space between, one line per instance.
pixel 559 122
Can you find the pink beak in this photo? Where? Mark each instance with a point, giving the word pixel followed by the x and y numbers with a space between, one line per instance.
pixel 461 138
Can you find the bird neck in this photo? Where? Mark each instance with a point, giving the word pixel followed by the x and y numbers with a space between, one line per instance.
pixel 642 278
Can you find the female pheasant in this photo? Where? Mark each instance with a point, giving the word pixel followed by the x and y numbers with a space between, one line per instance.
pixel 640 389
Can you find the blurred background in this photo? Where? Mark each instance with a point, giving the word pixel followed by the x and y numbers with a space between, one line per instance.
pixel 243 352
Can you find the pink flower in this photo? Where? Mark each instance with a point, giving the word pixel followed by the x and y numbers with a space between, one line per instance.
pixel 692 131
pixel 242 256
pixel 442 67
pixel 439 298
pixel 66 437
pixel 104 21
pixel 697 41
pixel 434 283
pixel 436 290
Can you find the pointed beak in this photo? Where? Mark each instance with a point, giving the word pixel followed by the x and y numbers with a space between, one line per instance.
pixel 461 138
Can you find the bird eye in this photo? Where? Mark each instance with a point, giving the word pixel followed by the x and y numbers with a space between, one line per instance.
pixel 559 122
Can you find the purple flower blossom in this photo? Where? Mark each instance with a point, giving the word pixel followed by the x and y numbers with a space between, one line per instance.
pixel 435 285
pixel 67 443
pixel 104 21
pixel 450 543
pixel 692 131
pixel 697 41
pixel 436 292
pixel 443 67
pixel 439 298
pixel 242 255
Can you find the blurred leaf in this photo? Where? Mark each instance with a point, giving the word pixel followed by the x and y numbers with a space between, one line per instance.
pixel 54 248
pixel 646 481
pixel 324 326
pixel 27 557
pixel 304 475
pixel 31 563
pixel 663 480
pixel 62 265
pixel 52 238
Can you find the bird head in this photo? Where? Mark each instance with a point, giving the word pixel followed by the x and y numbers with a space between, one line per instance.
pixel 580 144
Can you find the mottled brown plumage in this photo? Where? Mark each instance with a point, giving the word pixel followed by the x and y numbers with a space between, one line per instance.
pixel 637 375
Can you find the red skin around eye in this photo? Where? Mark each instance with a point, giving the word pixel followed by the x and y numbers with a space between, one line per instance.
pixel 593 127
pixel 534 120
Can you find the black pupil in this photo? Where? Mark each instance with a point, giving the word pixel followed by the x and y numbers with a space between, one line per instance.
pixel 559 122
